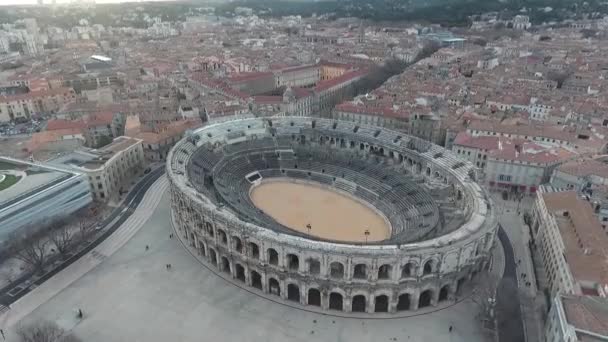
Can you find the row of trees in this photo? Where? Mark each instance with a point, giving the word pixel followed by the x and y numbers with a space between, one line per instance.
pixel 60 236
pixel 44 332
pixel 379 74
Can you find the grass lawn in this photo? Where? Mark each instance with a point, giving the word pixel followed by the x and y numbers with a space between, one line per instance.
pixel 8 181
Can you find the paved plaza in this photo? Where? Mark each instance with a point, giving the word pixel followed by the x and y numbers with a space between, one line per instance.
pixel 131 296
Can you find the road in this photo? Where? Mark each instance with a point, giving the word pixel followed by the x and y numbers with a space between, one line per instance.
pixel 24 284
pixel 510 324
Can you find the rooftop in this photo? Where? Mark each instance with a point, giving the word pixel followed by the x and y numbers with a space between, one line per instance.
pixel 31 179
pixel 525 151
pixel 92 159
pixel 586 167
pixel 587 315
pixel 585 243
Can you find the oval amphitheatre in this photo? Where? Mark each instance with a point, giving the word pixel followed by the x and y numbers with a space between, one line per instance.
pixel 332 214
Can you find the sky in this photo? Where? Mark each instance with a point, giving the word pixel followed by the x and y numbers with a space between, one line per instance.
pixel 33 2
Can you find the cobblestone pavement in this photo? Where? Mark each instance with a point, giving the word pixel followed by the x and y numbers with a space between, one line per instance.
pixel 131 296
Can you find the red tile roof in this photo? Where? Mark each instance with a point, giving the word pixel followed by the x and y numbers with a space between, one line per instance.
pixel 248 76
pixel 35 94
pixel 99 119
pixel 487 143
pixel 522 150
pixel 349 107
pixel 58 124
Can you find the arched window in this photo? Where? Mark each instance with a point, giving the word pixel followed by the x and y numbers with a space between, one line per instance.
pixel 293 262
pixel 381 303
pixel 429 267
pixel 237 244
pixel 274 287
pixel 273 257
pixel 384 271
pixel 359 303
pixel 407 270
pixel 293 292
pixel 254 250
pixel 336 270
pixel 314 266
pixel 360 271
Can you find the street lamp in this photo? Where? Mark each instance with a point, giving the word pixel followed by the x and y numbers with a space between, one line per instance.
pixel 366 233
pixel 309 227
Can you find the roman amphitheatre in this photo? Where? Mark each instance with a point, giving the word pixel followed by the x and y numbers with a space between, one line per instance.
pixel 330 214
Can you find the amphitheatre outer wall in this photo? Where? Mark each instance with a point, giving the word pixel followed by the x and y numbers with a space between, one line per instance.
pixel 383 277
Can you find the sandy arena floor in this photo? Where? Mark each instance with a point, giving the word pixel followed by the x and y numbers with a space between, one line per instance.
pixel 330 214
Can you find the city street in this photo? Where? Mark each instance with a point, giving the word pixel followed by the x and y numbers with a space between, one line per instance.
pixel 510 216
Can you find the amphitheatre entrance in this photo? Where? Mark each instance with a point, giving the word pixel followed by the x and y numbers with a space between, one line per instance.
pixel 329 214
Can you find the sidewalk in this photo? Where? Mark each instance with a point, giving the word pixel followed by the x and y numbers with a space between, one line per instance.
pixel 64 278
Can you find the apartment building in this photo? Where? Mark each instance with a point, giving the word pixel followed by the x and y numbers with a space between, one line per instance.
pixel 577 319
pixel 108 169
pixel 21 107
pixel 572 245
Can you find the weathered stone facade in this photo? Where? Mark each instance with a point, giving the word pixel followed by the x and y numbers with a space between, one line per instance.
pixel 389 276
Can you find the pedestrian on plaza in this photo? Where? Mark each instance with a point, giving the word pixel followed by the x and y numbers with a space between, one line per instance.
pixel 2 333
pixel 171 236
pixel 169 266
pixel 147 247
pixel 451 328
pixel 80 313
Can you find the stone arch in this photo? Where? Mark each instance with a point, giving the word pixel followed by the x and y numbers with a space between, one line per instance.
pixel 273 256
pixel 426 297
pixel 360 271
pixel 213 256
pixel 225 264
pixel 428 171
pixel 336 270
pixel 239 272
pixel 408 270
pixel 274 287
pixel 314 266
pixel 209 229
pixel 359 303
pixel 237 244
pixel 444 293
pixel 293 292
pixel 293 262
pixel 256 280
pixel 384 272
pixel 203 249
pixel 429 267
pixel 403 302
pixel 223 237
pixel 314 297
pixel 459 284
pixel 254 250
pixel 336 301
pixel 381 303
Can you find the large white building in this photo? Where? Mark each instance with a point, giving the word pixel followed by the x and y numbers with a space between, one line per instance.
pixel 520 166
pixel 571 243
pixel 33 192
pixel 108 169
pixel 577 319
